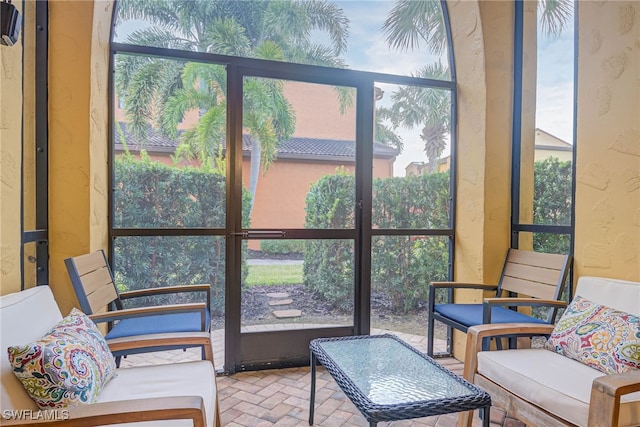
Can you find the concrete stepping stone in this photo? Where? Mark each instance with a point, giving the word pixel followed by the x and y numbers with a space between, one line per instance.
pixel 281 302
pixel 287 314
pixel 278 295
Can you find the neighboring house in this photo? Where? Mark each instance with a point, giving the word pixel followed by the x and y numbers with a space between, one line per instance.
pixel 419 168
pixel 546 145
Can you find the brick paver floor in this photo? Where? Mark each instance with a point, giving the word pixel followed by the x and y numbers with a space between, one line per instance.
pixel 280 397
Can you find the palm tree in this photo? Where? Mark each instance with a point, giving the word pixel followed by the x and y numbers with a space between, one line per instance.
pixel 160 91
pixel 418 106
pixel 412 23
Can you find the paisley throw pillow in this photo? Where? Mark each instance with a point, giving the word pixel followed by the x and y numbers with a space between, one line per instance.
pixel 598 336
pixel 68 366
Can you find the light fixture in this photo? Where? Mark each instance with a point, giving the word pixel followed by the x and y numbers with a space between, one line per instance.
pixel 10 23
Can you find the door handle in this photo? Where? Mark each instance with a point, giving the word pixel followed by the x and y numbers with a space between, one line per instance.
pixel 258 234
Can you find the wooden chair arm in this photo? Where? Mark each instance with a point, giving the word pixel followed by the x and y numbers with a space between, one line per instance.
pixel 530 302
pixel 604 407
pixel 463 285
pixel 476 334
pixel 519 302
pixel 124 411
pixel 164 340
pixel 164 290
pixel 111 316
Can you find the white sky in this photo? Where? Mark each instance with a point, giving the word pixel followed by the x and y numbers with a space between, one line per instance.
pixel 368 51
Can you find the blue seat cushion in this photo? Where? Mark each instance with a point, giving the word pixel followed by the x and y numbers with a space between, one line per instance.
pixel 178 322
pixel 471 314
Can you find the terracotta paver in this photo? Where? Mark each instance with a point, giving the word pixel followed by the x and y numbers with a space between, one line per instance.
pixel 280 397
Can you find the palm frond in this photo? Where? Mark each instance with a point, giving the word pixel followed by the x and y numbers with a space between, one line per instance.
pixel 226 36
pixel 386 135
pixel 158 13
pixel 314 54
pixel 412 22
pixel 269 50
pixel 555 15
pixel 160 37
pixel 139 98
pixel 327 16
pixel 286 22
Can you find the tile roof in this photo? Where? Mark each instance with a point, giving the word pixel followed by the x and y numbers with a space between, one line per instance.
pixel 293 148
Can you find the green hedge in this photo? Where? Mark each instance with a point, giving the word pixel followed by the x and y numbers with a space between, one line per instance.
pixel 282 247
pixel 402 266
pixel 552 203
pixel 148 194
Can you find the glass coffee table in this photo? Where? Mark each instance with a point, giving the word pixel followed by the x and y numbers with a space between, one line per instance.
pixel 389 380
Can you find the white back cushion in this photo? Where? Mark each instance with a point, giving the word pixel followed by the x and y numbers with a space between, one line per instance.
pixel 620 294
pixel 24 317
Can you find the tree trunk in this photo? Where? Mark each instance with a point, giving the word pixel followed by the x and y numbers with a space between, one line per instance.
pixel 254 170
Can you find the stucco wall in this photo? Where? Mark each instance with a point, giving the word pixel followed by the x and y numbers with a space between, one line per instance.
pixel 10 164
pixel 608 140
pixel 281 194
pixel 483 48
pixel 78 105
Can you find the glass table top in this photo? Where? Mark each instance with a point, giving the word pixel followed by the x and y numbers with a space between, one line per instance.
pixel 387 372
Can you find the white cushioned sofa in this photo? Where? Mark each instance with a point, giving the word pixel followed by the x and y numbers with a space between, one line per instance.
pixel 171 395
pixel 544 388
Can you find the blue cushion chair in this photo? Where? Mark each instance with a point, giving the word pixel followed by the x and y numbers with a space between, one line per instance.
pixel 530 279
pixel 95 288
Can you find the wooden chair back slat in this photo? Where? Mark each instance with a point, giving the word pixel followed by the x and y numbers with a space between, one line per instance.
pixel 529 288
pixel 90 262
pixel 534 274
pixel 101 298
pixel 96 280
pixel 538 259
pixel 99 288
pixel 92 280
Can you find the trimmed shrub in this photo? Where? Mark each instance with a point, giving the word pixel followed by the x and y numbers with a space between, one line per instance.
pixel 153 195
pixel 402 266
pixel 282 247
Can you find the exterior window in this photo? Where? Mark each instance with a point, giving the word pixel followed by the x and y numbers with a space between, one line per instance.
pixel 331 109
pixel 545 143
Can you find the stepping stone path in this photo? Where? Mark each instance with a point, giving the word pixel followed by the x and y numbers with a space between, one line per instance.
pixel 287 314
pixel 278 295
pixel 281 302
pixel 282 298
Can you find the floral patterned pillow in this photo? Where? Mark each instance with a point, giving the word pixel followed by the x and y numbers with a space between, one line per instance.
pixel 598 336
pixel 68 366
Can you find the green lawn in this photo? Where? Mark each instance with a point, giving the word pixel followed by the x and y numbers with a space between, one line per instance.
pixel 260 275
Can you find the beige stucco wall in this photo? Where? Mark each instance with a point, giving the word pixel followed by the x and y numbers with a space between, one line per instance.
pixel 483 49
pixel 10 164
pixel 608 141
pixel 78 105
pixel 29 137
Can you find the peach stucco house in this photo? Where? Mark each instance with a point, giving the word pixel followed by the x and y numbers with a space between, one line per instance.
pixel 324 141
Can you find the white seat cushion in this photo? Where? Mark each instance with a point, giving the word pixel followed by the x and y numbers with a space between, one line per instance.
pixel 24 317
pixel 556 383
pixel 176 379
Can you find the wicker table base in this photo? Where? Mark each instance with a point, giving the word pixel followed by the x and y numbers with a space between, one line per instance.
pixel 389 380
